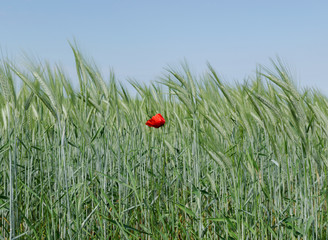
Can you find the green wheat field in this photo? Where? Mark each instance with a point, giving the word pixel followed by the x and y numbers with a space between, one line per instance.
pixel 233 161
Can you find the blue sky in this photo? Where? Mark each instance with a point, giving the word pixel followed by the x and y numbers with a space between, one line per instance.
pixel 139 39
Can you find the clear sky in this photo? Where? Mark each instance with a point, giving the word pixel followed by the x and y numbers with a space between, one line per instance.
pixel 138 39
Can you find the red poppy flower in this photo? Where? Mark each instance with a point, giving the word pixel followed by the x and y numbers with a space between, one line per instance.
pixel 156 121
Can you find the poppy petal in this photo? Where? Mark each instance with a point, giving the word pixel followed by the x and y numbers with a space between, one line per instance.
pixel 156 121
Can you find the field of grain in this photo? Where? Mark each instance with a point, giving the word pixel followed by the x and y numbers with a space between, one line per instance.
pixel 233 161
